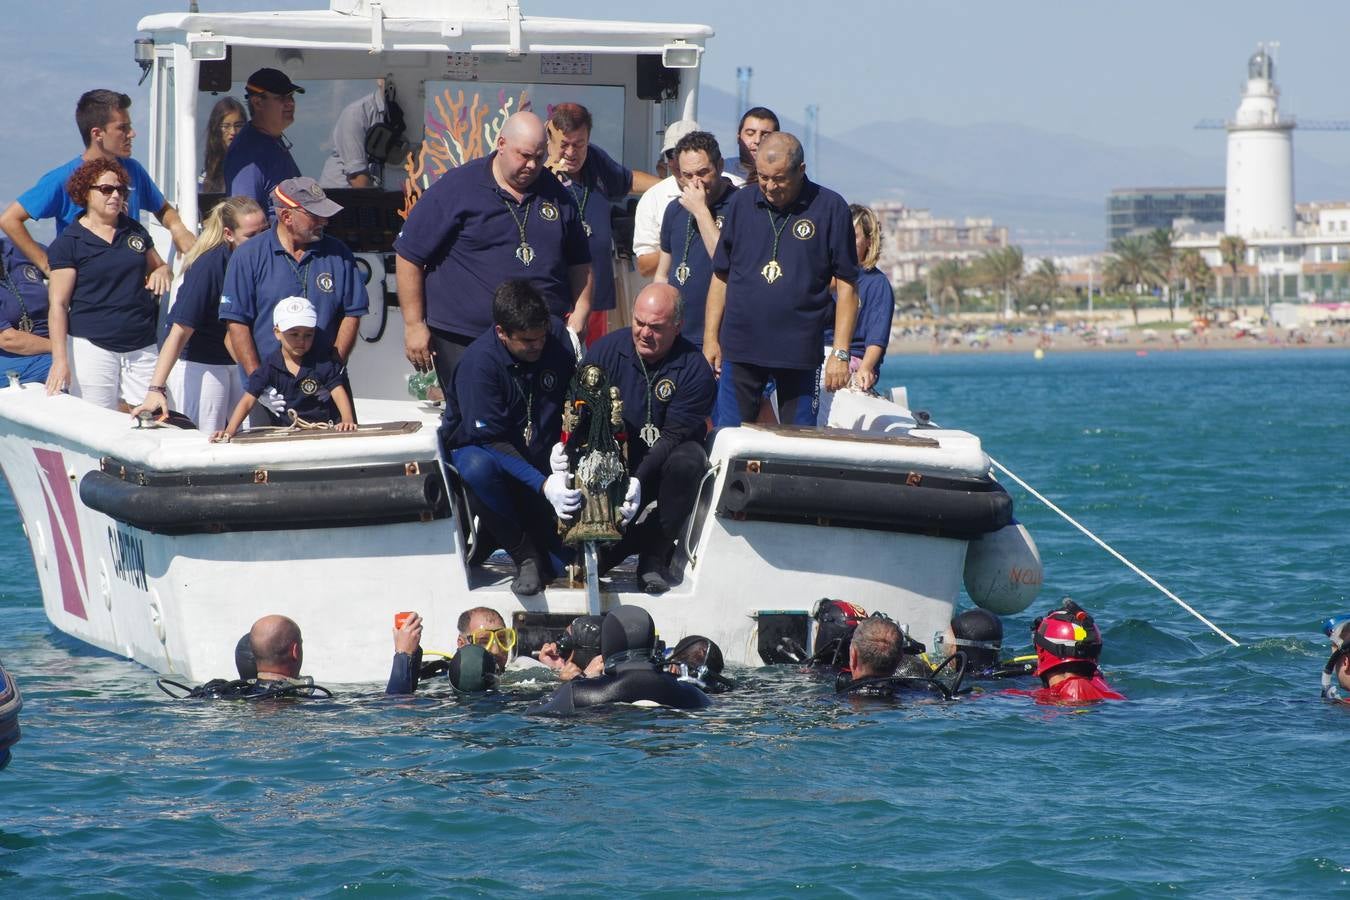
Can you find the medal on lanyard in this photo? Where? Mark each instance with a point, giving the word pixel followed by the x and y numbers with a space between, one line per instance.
pixel 25 323
pixel 649 433
pixel 528 431
pixel 682 271
pixel 772 271
pixel 524 253
pixel 581 205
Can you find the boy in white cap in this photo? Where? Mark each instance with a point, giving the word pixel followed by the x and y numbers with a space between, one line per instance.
pixel 312 385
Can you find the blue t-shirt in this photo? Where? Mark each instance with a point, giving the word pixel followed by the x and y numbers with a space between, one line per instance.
pixel 681 239
pixel 48 198
pixel 680 391
pixel 255 163
pixel 876 308
pixel 21 290
pixel 465 231
pixel 781 324
pixel 111 306
pixel 600 183
pixel 309 391
pixel 494 396
pixel 261 273
pixel 198 307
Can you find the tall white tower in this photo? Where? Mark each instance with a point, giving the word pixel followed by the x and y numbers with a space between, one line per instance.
pixel 1260 195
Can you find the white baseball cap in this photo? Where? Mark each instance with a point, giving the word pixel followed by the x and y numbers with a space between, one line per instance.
pixel 294 312
pixel 675 131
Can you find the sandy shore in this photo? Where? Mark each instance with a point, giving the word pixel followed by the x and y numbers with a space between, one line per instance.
pixel 920 339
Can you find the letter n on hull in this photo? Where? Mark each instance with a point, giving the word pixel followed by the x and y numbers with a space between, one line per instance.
pixel 65 531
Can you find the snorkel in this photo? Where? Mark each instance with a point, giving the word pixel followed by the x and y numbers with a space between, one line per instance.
pixel 1337 628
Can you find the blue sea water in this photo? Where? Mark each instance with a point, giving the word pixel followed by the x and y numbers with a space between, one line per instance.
pixel 1223 474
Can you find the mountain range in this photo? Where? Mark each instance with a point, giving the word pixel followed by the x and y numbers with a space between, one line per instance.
pixel 1049 189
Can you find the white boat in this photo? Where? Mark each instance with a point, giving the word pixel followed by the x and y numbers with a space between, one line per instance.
pixel 155 544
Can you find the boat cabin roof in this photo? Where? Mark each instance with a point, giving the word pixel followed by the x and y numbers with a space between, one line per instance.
pixel 478 26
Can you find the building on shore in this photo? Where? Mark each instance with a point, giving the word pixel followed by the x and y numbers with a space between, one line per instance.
pixel 914 240
pixel 1139 210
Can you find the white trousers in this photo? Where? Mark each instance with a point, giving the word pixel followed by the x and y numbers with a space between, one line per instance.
pixel 205 393
pixel 103 377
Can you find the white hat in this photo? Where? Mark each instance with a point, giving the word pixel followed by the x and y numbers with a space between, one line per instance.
pixel 677 130
pixel 294 312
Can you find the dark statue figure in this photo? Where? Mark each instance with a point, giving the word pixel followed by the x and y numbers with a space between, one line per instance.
pixel 592 426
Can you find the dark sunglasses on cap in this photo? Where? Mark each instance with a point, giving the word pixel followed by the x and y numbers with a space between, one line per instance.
pixel 108 190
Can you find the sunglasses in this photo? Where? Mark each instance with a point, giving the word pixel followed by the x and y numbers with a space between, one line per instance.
pixel 108 190
pixel 487 638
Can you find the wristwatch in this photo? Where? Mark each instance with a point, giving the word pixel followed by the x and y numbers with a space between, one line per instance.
pixel 841 355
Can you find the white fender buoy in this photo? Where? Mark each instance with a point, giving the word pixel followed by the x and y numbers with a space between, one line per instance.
pixel 1003 571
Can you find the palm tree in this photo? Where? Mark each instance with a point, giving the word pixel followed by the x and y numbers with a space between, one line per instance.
pixel 1132 264
pixel 1162 239
pixel 1002 269
pixel 948 279
pixel 1198 277
pixel 1233 251
pixel 1045 282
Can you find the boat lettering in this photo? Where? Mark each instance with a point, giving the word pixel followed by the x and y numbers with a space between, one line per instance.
pixel 1018 575
pixel 128 555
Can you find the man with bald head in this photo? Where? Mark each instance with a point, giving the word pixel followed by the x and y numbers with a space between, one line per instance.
pixel 668 393
pixel 782 240
pixel 277 648
pixel 491 220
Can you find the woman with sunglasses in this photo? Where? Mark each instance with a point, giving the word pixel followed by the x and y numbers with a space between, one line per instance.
pixel 24 345
pixel 206 385
pixel 224 125
pixel 105 275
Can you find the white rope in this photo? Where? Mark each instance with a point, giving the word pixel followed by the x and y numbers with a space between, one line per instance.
pixel 1109 549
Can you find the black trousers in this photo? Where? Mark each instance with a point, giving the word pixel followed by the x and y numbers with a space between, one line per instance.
pixel 674 486
pixel 447 349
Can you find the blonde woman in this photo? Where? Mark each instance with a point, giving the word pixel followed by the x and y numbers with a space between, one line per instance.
pixel 876 302
pixel 207 385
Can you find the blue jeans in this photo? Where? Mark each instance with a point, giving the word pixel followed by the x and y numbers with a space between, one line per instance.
pixel 30 368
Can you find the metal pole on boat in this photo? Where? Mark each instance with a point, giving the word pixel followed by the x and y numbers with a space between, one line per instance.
pixel 592 578
pixel 1109 549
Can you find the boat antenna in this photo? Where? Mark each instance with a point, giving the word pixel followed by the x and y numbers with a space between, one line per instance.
pixel 924 420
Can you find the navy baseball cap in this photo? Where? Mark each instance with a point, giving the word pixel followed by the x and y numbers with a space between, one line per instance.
pixel 272 81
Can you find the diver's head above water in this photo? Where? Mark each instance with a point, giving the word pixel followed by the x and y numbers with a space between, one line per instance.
pixel 1336 673
pixel 627 638
pixel 1068 643
pixel 278 650
pixel 979 634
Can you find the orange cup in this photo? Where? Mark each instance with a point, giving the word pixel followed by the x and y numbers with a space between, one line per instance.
pixel 400 618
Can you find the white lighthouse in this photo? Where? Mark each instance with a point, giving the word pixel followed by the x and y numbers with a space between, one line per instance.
pixel 1260 194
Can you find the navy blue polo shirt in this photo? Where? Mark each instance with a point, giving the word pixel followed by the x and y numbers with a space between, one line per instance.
pixel 255 163
pixel 782 324
pixel 48 198
pixel 680 238
pixel 21 289
pixel 111 306
pixel 463 233
pixel 309 391
pixel 198 307
pixel 261 273
pixel 493 391
pixel 680 391
pixel 876 308
pixel 601 181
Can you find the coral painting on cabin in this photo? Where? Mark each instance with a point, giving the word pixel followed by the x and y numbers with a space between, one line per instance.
pixel 456 131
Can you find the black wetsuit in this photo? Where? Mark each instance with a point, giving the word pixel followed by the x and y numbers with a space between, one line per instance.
pixel 629 683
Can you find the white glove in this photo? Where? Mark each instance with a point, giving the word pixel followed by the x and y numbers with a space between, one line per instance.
pixel 576 343
pixel 557 458
pixel 273 401
pixel 632 501
pixel 564 500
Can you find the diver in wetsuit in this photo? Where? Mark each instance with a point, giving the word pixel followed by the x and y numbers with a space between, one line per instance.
pixel 1068 645
pixel 877 664
pixel 472 669
pixel 698 661
pixel 632 672
pixel 275 651
pixel 1336 673
pixel 978 634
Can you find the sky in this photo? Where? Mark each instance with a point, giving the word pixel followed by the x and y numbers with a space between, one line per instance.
pixel 1136 74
